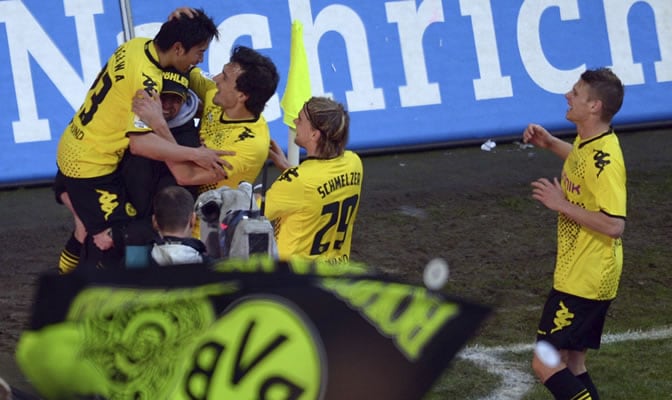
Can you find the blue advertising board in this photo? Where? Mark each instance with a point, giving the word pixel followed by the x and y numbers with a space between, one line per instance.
pixel 410 72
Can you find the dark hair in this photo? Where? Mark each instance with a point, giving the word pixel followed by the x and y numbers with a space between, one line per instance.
pixel 258 79
pixel 173 208
pixel 332 120
pixel 188 31
pixel 606 87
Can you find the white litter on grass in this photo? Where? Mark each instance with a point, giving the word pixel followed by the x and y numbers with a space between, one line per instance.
pixel 523 146
pixel 488 145
pixel 413 212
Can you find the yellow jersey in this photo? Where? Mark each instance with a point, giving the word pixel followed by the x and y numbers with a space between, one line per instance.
pixel 589 263
pixel 250 139
pixel 314 206
pixel 96 138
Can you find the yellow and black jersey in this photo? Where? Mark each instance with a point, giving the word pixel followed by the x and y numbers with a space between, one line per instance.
pixel 589 263
pixel 314 207
pixel 94 142
pixel 250 139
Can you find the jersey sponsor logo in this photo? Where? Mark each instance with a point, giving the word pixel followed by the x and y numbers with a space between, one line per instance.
pixel 175 77
pixel 108 202
pixel 261 348
pixel 601 160
pixel 245 134
pixel 562 318
pixel 338 182
pixel 290 174
pixel 570 186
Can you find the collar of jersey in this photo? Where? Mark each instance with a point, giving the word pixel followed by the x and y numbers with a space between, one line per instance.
pixel 236 121
pixel 151 53
pixel 598 137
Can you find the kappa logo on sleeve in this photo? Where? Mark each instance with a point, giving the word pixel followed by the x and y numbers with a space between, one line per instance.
pixel 262 348
pixel 289 174
pixel 601 160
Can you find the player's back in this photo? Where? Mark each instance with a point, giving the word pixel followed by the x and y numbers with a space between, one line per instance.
pixel 94 141
pixel 315 206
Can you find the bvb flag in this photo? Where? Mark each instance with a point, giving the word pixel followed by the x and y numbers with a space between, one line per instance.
pixel 297 89
pixel 241 329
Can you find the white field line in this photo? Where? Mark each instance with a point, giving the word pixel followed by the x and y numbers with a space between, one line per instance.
pixel 517 378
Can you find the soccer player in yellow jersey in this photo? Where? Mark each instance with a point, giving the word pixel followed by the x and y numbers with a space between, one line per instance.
pixel 590 199
pixel 104 127
pixel 314 205
pixel 232 119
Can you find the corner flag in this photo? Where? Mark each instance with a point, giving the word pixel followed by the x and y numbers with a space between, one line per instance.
pixel 297 89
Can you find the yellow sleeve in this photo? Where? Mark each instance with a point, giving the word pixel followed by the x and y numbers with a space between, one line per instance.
pixel 200 82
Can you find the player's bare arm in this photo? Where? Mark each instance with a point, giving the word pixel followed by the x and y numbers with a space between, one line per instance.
pixel 538 135
pixel 278 157
pixel 152 146
pixel 190 174
pixel 550 195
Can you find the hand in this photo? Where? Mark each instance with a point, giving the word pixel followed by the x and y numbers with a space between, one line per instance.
pixel 537 135
pixel 278 157
pixel 103 240
pixel 188 11
pixel 147 106
pixel 548 193
pixel 211 160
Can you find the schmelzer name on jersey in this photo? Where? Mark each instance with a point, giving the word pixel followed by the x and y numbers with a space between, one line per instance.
pixel 340 181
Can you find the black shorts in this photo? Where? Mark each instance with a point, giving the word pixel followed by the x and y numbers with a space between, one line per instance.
pixel 58 186
pixel 99 202
pixel 572 323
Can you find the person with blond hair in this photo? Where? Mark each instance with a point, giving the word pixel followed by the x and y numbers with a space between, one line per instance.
pixel 314 205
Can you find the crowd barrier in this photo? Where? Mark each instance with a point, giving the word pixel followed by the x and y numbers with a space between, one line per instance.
pixel 410 72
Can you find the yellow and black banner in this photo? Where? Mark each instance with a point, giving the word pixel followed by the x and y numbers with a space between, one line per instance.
pixel 244 329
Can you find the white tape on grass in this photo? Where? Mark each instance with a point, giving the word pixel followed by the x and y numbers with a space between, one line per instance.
pixel 517 379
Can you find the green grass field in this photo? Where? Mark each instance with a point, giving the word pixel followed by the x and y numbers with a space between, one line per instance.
pixel 472 208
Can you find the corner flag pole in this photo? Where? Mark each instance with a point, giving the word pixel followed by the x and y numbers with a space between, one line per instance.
pixel 126 19
pixel 297 90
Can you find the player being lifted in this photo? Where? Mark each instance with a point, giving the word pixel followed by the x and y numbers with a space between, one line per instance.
pixel 104 127
pixel 314 205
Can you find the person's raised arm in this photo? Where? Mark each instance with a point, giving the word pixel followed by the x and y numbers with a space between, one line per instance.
pixel 540 137
pixel 278 157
